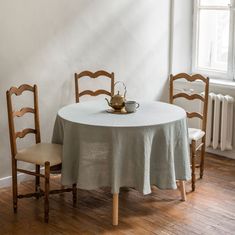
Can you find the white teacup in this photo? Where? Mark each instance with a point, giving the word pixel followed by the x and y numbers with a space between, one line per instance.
pixel 131 106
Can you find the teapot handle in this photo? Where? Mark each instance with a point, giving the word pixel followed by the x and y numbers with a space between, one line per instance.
pixel 123 86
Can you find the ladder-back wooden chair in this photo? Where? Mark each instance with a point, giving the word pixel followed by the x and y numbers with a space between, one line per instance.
pixel 197 137
pixel 40 154
pixel 97 74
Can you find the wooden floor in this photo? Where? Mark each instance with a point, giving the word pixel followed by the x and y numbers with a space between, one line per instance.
pixel 209 210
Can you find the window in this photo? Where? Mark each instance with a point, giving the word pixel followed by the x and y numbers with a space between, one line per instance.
pixel 214 41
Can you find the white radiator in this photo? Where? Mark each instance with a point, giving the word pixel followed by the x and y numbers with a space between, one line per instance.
pixel 219 129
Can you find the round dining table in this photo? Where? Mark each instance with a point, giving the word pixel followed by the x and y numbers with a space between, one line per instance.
pixel 140 149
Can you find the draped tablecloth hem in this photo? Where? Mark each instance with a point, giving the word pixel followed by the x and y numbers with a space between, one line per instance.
pixel 117 189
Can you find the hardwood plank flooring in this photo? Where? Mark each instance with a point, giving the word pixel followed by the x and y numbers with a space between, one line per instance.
pixel 209 210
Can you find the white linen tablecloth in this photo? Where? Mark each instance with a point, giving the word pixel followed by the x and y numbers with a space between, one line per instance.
pixel 149 147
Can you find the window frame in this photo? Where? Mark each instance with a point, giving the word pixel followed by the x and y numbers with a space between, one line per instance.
pixel 230 74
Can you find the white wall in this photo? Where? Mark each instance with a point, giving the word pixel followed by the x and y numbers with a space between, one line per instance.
pixel 182 36
pixel 45 42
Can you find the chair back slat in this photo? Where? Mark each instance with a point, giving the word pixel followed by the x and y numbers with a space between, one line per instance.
pixel 19 114
pixel 190 78
pixel 192 96
pixel 23 133
pixel 18 91
pixel 194 115
pixel 94 75
pixel 23 111
pixel 94 93
pixel 189 97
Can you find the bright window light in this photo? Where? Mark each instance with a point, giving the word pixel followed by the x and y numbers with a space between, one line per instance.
pixel 214 42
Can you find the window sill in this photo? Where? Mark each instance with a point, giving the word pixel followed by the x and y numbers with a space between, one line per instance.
pixel 222 83
pixel 217 79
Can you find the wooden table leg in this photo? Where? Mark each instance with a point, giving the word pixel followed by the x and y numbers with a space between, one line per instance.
pixel 182 190
pixel 115 208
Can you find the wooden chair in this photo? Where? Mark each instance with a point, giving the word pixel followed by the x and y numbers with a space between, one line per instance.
pixel 89 74
pixel 197 137
pixel 40 154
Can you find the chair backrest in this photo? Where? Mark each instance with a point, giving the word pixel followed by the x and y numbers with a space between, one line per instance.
pixel 14 114
pixel 192 96
pixel 89 74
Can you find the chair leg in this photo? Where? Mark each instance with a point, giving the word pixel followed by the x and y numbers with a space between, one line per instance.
pixel 14 184
pixel 37 182
pixel 74 194
pixel 115 208
pixel 47 189
pixel 202 159
pixel 193 158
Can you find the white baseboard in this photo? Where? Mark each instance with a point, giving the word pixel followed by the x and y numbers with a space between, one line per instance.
pixel 21 177
pixel 7 181
pixel 228 154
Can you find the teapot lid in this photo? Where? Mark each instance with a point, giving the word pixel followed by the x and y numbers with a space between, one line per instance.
pixel 117 95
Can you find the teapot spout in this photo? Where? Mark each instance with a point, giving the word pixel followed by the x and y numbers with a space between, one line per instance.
pixel 108 102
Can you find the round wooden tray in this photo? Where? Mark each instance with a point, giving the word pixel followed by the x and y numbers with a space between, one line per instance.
pixel 122 111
